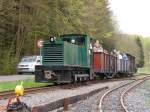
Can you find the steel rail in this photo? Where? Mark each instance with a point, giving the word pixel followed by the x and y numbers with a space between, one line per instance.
pixel 11 93
pixel 128 90
pixel 112 90
pixel 6 94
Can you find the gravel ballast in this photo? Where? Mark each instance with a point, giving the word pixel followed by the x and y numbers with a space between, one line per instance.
pixel 111 102
pixel 138 99
pixel 88 105
pixel 91 104
pixel 43 99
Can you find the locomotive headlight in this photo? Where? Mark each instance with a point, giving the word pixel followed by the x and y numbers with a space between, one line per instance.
pixel 52 39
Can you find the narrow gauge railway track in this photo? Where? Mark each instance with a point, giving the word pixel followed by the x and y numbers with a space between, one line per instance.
pixel 11 93
pixel 112 100
pixel 124 93
pixel 34 90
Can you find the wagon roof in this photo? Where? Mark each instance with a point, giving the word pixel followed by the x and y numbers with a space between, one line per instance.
pixel 129 55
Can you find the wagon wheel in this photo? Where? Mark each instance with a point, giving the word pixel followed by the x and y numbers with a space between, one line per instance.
pixel 109 75
pixel 102 76
pixel 129 75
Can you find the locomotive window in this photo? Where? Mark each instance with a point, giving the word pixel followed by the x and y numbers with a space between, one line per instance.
pixel 66 39
pixel 78 40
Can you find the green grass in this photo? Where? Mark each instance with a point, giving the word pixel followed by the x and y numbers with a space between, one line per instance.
pixel 148 101
pixel 26 84
pixel 148 87
pixel 145 69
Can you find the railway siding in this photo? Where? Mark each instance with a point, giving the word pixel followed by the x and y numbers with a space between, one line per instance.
pixel 113 100
pixel 138 99
pixel 67 101
pixel 91 104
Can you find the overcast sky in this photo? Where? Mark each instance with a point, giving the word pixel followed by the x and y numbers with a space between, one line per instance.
pixel 133 16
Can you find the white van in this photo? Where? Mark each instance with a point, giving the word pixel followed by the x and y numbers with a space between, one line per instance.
pixel 27 64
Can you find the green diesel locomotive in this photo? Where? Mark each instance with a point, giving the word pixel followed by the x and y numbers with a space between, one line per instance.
pixel 65 60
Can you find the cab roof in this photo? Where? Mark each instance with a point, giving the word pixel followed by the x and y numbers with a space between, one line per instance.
pixel 75 36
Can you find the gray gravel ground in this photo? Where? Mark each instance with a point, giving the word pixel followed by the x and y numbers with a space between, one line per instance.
pixel 51 96
pixel 138 100
pixel 90 104
pixel 112 102
pixel 15 77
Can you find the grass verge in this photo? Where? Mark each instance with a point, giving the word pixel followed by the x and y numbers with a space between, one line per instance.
pixel 145 69
pixel 26 84
pixel 148 87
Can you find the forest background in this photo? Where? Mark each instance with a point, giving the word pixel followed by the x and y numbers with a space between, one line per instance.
pixel 24 22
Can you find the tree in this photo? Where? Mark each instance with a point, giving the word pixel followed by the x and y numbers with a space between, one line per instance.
pixel 23 22
pixel 131 44
pixel 141 51
pixel 146 46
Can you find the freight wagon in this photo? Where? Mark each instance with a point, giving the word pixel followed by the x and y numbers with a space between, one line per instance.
pixel 71 59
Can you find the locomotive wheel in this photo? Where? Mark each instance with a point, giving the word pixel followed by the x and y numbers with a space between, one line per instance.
pixel 109 75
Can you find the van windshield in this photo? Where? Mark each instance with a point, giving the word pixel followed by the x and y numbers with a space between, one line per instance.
pixel 29 59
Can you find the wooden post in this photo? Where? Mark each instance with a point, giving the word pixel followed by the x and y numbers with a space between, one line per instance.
pixel 66 103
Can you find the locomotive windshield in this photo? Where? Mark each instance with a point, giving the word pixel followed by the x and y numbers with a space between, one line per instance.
pixel 79 40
